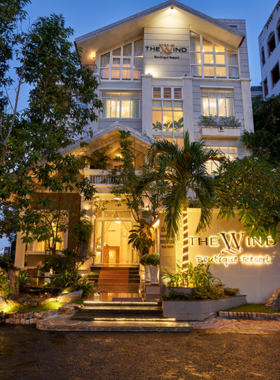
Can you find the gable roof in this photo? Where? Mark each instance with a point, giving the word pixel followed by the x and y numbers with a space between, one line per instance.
pixel 110 35
pixel 107 136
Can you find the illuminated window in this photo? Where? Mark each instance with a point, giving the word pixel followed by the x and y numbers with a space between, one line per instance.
pixel 124 63
pixel 212 60
pixel 167 112
pixel 125 104
pixel 216 102
pixel 228 151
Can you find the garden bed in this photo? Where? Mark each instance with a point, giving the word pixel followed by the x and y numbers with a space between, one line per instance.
pixel 199 310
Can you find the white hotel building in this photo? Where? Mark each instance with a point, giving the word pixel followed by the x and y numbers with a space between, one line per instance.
pixel 158 72
pixel 269 47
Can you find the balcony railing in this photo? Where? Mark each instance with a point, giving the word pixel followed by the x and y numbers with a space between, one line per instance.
pixel 102 180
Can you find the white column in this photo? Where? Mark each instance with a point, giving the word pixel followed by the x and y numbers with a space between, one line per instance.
pixel 188 106
pixel 147 106
pixel 247 105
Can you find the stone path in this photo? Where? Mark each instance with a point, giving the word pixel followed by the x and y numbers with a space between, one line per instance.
pixel 64 323
pixel 236 324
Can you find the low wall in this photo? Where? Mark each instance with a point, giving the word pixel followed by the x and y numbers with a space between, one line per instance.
pixel 199 310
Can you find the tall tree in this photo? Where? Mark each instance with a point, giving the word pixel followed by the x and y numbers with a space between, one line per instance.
pixel 33 141
pixel 184 172
pixel 265 140
pixel 252 185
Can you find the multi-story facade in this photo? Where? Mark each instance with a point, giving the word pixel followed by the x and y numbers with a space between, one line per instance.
pixel 159 71
pixel 270 53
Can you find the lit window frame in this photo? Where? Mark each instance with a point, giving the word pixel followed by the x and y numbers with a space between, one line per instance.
pixel 202 64
pixel 122 68
pixel 217 89
pixel 162 134
pixel 135 93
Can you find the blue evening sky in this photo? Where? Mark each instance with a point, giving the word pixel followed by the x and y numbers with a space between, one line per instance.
pixel 87 15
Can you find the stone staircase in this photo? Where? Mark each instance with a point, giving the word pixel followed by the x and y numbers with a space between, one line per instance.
pixel 127 316
pixel 115 275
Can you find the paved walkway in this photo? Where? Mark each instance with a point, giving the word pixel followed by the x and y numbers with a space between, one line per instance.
pixel 236 324
pixel 64 323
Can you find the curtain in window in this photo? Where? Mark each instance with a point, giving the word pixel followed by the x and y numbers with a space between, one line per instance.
pixel 127 50
pixel 105 60
pixel 138 47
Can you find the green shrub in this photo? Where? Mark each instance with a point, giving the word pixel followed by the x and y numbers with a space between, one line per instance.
pixel 231 291
pixel 153 259
pixel 5 286
pixel 143 259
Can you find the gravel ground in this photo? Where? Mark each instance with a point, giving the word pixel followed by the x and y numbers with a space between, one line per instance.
pixel 29 354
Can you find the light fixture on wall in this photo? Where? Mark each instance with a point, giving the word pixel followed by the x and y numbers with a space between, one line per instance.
pixel 172 7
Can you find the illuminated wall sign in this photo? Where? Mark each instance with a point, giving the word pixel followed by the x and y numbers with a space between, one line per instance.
pixel 166 51
pixel 231 244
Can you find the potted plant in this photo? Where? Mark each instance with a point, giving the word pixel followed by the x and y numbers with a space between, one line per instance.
pixel 147 271
pixel 153 261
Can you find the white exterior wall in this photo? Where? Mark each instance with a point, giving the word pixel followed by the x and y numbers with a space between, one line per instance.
pixel 270 61
pixel 176 72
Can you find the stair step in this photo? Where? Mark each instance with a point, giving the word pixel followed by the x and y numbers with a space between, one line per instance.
pixel 88 303
pixel 138 318
pixel 120 326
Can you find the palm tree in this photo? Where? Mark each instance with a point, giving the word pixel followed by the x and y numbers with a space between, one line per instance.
pixel 184 171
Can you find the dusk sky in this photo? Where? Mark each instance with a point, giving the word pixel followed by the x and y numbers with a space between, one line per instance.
pixel 88 15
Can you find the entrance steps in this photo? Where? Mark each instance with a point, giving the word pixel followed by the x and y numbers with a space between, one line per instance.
pixel 115 275
pixel 127 316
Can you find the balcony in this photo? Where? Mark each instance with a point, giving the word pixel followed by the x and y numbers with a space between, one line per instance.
pixel 220 127
pixel 100 177
pixel 220 133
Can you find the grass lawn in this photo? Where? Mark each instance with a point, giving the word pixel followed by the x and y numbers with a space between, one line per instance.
pixel 252 308
pixel 49 306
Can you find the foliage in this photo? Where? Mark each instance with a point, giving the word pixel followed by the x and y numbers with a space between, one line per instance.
pixel 153 259
pixel 33 168
pixel 176 279
pixel 252 185
pixel 5 286
pixel 183 170
pixel 195 276
pixel 214 292
pixel 265 140
pixel 72 281
pixel 5 262
pixel 69 261
pixel 22 278
pixel 82 231
pixel 98 159
pixel 141 238
pixel 219 121
pixel 143 259
pixel 231 291
pixel 144 202
pixel 201 277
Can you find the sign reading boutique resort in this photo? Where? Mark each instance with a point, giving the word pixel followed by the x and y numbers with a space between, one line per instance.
pixel 232 248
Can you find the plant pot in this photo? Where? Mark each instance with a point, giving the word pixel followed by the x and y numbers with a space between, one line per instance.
pixel 147 273
pixel 154 274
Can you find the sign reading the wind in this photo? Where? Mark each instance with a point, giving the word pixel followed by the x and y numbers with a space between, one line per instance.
pixel 166 51
pixel 231 246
